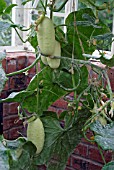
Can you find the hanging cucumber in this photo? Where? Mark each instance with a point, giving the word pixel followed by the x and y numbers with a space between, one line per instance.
pixel 55 62
pixel 46 36
pixel 35 134
pixel 44 60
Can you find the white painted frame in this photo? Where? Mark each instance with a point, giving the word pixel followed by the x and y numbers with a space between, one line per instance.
pixel 22 15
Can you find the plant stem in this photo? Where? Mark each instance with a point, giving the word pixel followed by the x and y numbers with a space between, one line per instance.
pixel 87 138
pixel 46 2
pixel 109 85
pixel 101 154
pixel 43 5
pixel 25 69
pixel 38 90
pixel 72 67
pixel 17 31
pixel 57 10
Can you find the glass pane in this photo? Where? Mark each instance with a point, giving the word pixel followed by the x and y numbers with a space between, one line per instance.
pixel 105 15
pixel 5 34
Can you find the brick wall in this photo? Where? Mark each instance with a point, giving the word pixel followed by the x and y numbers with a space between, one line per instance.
pixel 86 155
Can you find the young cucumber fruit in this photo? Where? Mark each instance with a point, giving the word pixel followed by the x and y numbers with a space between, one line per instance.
pixel 35 134
pixel 44 60
pixel 46 36
pixel 55 62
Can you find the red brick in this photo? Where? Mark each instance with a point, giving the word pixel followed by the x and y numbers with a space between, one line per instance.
pixel 6 134
pixel 108 156
pixel 14 133
pixel 3 94
pixel 30 61
pixel 71 94
pixel 5 109
pixel 6 87
pixel 11 65
pixel 69 161
pixel 52 109
pixel 12 83
pixel 94 154
pixel 21 62
pixel 81 150
pixel 59 111
pixel 60 104
pixel 92 166
pixel 41 167
pixel 10 122
pixel 76 163
pixel 69 168
pixel 80 163
pixel 111 77
pixel 13 108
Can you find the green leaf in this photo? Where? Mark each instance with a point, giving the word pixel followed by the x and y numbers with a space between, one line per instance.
pixel 104 135
pixel 4 26
pixel 17 96
pixel 87 3
pixel 64 78
pixel 9 8
pixel 17 154
pixel 22 158
pixel 30 148
pixel 108 62
pixel 2 6
pixel 78 35
pixel 60 142
pixel 49 91
pixel 3 158
pixel 3 78
pixel 109 166
pixel 32 38
pixel 24 2
pixel 14 144
pixel 2 56
pixel 30 103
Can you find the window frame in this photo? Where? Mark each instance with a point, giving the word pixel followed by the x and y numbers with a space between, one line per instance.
pixel 20 13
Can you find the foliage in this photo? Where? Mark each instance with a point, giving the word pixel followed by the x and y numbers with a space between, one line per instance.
pixel 104 135
pixel 85 33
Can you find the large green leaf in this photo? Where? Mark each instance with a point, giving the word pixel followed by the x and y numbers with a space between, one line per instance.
pixel 3 78
pixel 32 38
pixel 109 166
pixel 5 154
pixel 64 78
pixel 81 26
pixel 60 142
pixel 9 8
pixel 17 96
pixel 49 91
pixel 108 62
pixel 25 1
pixel 2 6
pixel 2 56
pixel 17 154
pixel 104 135
pixel 3 158
pixel 23 158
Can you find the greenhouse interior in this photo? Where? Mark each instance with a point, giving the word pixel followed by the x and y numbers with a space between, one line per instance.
pixel 56 84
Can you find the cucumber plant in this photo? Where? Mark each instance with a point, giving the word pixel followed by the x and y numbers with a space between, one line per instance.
pixel 66 61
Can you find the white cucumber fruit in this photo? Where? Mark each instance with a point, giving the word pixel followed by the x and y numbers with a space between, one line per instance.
pixel 55 62
pixel 35 134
